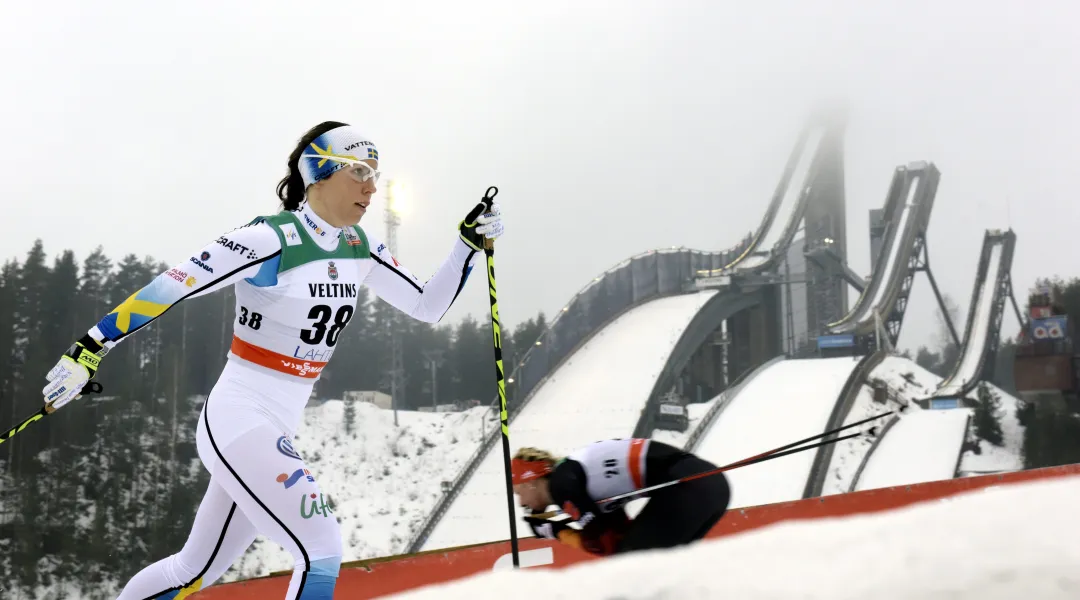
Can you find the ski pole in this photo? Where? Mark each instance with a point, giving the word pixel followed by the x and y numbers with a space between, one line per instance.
pixel 735 465
pixel 496 332
pixel 44 411
pixel 810 439
pixel 785 450
pixel 747 462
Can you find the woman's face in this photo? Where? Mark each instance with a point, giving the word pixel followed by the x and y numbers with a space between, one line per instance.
pixel 344 196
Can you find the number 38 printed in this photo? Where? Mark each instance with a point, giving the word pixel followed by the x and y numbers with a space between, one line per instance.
pixel 322 313
pixel 254 321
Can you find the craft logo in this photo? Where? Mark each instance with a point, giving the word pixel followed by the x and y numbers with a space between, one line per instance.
pixel 380 249
pixel 318 506
pixel 237 247
pixel 331 270
pixel 290 480
pixel 177 274
pixel 190 282
pixel 313 226
pixel 284 446
pixel 200 262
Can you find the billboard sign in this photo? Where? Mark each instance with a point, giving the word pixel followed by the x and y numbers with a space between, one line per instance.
pixel 836 341
pixel 1050 328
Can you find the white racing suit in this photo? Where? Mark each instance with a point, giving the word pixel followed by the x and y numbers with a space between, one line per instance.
pixel 296 281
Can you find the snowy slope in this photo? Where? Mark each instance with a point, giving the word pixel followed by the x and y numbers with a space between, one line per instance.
pixel 848 454
pixel 907 382
pixel 1009 456
pixel 974 546
pixel 923 445
pixel 789 401
pixel 598 393
pixel 383 479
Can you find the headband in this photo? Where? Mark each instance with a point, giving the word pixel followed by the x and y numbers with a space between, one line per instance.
pixel 333 150
pixel 528 470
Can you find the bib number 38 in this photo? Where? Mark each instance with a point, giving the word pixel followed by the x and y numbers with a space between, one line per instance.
pixel 322 315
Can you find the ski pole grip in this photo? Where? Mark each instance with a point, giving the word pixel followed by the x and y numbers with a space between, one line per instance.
pixel 489 197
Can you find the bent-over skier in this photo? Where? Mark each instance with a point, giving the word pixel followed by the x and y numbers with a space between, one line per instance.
pixel 675 515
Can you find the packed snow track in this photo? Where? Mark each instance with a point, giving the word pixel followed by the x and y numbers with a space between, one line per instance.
pixel 1015 541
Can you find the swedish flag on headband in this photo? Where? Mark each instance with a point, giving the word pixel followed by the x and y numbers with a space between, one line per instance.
pixel 372 153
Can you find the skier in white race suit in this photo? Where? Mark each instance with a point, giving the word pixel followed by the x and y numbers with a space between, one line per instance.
pixel 296 275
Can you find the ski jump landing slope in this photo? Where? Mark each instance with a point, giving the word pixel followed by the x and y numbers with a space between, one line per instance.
pixel 597 393
pixel 788 401
pixel 922 445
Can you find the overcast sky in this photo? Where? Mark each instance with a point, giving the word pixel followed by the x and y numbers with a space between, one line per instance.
pixel 611 128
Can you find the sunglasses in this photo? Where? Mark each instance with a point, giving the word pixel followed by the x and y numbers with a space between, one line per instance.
pixel 358 170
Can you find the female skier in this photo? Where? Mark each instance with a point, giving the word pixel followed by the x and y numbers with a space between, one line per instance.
pixel 675 515
pixel 296 275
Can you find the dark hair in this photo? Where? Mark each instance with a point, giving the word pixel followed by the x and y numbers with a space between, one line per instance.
pixel 291 188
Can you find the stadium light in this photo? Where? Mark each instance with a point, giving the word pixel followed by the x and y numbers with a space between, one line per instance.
pixel 397 200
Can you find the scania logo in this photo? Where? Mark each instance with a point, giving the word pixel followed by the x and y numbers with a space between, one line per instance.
pixel 201 264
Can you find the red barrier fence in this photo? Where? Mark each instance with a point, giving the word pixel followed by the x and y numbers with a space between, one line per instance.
pixel 374 578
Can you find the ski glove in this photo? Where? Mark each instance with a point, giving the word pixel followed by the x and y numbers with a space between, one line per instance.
pixel 544 528
pixel 73 373
pixel 484 221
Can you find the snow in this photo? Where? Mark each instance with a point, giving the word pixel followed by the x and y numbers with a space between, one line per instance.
pixel 383 479
pixel 1007 457
pixel 970 546
pixel 911 456
pixel 880 284
pixel 975 344
pixel 906 376
pixel 378 513
pixel 789 401
pixel 906 381
pixel 923 445
pixel 848 454
pixel 796 186
pixel 598 393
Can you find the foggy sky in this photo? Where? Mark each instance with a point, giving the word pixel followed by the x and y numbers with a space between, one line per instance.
pixel 611 128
